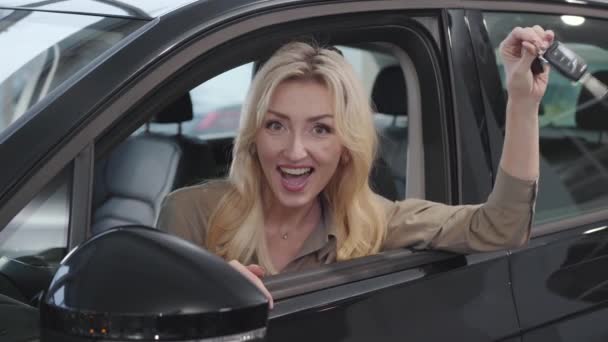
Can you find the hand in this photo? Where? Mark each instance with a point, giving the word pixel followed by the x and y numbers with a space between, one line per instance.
pixel 254 273
pixel 518 51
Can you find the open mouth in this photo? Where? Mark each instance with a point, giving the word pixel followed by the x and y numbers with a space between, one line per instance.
pixel 295 179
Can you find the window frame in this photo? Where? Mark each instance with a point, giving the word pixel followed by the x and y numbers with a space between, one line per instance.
pixel 437 183
pixel 80 179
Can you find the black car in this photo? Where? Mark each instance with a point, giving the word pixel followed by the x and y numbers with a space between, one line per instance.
pixel 100 101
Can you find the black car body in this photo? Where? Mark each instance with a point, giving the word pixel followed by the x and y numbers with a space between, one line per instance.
pixel 143 57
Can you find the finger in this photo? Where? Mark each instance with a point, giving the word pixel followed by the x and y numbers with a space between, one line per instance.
pixel 519 35
pixel 261 286
pixel 257 270
pixel 549 36
pixel 254 279
pixel 243 270
pixel 540 32
pixel 536 39
pixel 528 51
pixel 527 57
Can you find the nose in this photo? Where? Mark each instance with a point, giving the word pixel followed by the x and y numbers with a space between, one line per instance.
pixel 296 148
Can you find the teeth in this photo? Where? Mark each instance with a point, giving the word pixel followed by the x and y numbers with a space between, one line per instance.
pixel 295 172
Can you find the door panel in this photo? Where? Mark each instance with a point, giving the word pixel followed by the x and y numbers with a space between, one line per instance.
pixel 18 321
pixel 561 286
pixel 591 327
pixel 559 280
pixel 444 302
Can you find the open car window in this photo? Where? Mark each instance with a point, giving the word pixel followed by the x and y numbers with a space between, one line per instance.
pixel 189 141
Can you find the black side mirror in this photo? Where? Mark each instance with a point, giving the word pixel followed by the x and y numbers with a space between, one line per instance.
pixel 140 284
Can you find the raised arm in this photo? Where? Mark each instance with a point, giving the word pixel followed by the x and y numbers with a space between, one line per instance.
pixel 520 156
pixel 505 219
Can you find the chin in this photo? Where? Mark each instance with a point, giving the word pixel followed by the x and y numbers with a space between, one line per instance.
pixel 289 200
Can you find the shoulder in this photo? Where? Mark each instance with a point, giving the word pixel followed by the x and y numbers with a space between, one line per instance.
pixel 203 195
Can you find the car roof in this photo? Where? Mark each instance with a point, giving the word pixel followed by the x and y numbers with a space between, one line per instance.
pixel 137 9
pixel 148 9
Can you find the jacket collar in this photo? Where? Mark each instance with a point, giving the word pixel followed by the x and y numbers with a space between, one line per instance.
pixel 322 235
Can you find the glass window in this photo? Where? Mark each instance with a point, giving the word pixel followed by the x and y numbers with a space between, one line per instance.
pixel 45 50
pixel 573 146
pixel 42 226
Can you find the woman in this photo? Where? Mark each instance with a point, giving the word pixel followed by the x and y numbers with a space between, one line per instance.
pixel 298 195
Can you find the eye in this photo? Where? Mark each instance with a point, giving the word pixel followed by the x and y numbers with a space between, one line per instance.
pixel 274 126
pixel 321 129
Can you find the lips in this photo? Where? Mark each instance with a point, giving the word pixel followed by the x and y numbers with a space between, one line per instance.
pixel 294 179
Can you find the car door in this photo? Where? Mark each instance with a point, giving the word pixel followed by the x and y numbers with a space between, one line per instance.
pixel 430 296
pixel 393 295
pixel 559 280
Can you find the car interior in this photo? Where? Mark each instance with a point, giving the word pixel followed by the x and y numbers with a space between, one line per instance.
pixel 579 155
pixel 130 184
pixel 131 181
pixel 573 160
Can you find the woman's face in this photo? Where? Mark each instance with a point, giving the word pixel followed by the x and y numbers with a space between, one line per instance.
pixel 297 144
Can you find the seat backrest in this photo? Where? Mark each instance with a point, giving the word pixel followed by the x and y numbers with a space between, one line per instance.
pixel 132 181
pixel 389 98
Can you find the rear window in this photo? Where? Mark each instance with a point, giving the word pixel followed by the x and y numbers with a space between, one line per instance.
pixel 41 50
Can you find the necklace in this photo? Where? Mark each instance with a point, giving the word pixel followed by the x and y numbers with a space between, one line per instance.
pixel 285 235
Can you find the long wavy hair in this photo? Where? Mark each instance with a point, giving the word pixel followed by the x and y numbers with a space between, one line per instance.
pixel 236 227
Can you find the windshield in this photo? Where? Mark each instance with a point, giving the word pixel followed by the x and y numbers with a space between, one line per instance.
pixel 41 50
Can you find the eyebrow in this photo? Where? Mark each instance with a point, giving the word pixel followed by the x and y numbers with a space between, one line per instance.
pixel 314 118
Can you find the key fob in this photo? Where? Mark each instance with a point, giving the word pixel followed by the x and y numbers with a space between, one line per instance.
pixel 565 61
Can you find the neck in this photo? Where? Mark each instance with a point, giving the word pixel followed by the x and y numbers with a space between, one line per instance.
pixel 279 219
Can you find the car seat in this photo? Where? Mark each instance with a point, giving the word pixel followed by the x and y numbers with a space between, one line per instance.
pixel 131 182
pixel 390 98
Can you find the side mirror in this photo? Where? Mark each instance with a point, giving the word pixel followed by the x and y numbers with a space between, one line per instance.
pixel 140 284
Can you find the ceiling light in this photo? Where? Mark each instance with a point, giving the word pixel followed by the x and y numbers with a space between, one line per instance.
pixel 572 20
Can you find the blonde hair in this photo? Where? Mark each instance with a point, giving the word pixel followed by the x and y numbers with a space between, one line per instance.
pixel 236 226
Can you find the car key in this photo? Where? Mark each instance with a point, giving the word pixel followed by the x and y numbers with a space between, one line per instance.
pixel 571 66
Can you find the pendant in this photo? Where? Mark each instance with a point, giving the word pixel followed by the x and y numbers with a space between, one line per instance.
pixel 284 236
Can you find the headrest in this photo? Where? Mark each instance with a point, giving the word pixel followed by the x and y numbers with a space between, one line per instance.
pixel 389 92
pixel 594 116
pixel 178 111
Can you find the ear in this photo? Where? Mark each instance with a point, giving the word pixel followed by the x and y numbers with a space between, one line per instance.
pixel 345 158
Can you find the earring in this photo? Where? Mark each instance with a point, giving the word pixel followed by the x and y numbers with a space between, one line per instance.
pixel 344 158
pixel 252 150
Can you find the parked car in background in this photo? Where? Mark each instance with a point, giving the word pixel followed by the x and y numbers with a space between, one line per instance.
pixel 107 106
